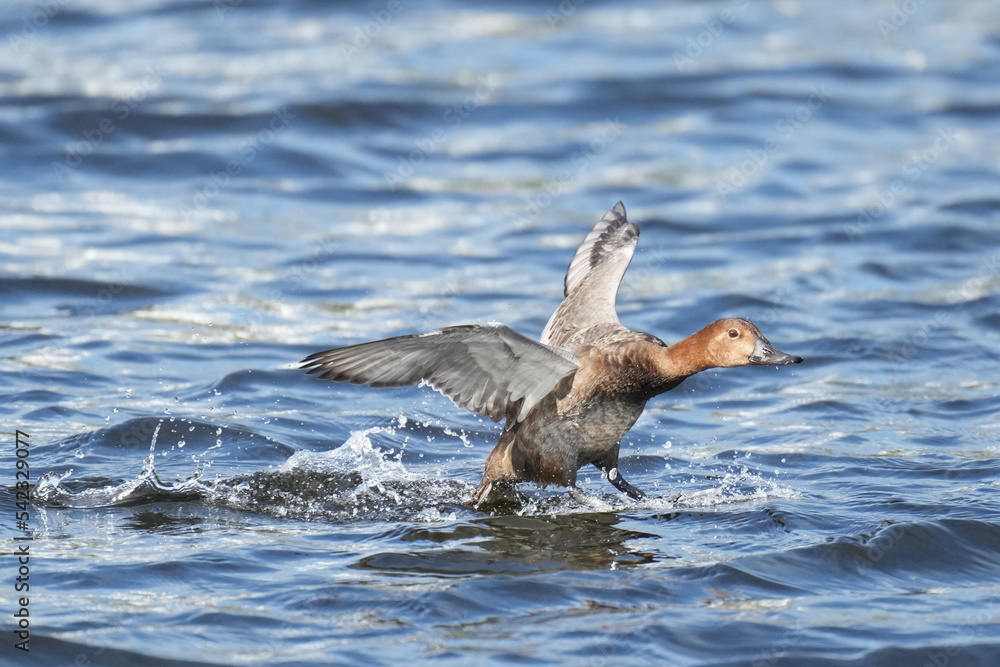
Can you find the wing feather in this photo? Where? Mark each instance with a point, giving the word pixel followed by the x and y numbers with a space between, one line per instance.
pixel 490 369
pixel 593 277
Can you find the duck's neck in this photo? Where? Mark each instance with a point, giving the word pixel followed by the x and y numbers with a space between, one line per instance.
pixel 684 358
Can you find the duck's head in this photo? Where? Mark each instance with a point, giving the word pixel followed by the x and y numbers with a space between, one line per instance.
pixel 736 341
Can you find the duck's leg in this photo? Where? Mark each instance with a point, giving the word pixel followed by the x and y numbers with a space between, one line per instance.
pixel 610 468
pixel 619 482
pixel 608 464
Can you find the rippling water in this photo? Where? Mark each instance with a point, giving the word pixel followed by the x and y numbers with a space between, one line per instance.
pixel 197 194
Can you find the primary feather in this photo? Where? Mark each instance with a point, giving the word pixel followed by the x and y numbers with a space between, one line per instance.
pixel 490 369
pixel 592 281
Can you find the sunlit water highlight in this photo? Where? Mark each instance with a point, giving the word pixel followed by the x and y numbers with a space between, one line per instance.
pixel 198 194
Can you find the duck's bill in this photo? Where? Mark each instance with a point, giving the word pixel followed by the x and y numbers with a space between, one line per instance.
pixel 765 354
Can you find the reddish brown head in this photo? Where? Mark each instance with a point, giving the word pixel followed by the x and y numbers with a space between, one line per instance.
pixel 735 341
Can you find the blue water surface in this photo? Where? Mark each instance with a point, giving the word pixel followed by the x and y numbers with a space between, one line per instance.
pixel 196 194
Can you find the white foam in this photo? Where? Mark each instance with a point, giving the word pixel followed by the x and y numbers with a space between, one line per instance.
pixel 356 454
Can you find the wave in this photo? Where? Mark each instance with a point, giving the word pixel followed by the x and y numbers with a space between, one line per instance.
pixel 355 481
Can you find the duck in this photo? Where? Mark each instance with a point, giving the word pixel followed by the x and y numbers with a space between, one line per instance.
pixel 569 398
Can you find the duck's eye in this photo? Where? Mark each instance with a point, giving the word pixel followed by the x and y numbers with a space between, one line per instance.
pixel 734 333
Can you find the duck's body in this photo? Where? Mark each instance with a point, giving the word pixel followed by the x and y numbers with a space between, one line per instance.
pixel 570 398
pixel 584 417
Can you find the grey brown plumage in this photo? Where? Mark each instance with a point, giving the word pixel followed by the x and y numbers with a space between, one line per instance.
pixel 490 369
pixel 568 399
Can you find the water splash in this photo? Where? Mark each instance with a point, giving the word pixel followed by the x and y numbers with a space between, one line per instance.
pixel 733 487
pixel 354 481
pixel 744 485
pixel 59 490
pixel 357 480
pixel 357 453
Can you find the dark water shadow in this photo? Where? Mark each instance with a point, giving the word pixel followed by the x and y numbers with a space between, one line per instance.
pixel 517 544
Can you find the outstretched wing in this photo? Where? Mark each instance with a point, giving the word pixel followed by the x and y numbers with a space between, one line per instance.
pixel 490 369
pixel 593 278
